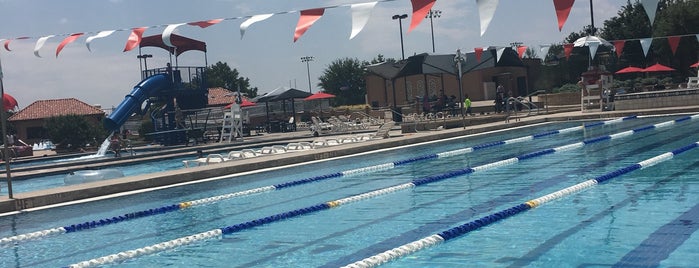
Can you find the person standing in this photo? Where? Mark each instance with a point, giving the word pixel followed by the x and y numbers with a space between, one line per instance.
pixel 467 104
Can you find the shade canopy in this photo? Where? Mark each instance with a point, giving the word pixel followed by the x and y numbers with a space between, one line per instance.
pixel 182 44
pixel 282 93
pixel 319 95
pixel 8 102
pixel 245 103
pixel 630 69
pixel 658 68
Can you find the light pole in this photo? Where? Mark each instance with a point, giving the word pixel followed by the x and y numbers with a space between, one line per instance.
pixel 307 59
pixel 400 25
pixel 433 14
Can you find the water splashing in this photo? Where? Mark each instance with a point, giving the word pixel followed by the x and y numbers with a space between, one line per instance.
pixel 105 146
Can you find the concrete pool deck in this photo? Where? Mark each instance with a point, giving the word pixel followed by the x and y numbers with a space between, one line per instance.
pixel 59 195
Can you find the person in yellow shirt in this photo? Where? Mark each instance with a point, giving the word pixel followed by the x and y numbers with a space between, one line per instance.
pixel 467 105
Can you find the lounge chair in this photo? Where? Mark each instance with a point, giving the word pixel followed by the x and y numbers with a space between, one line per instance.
pixel 381 133
pixel 319 127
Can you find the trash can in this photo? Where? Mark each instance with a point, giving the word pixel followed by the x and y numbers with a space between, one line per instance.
pixel 397 114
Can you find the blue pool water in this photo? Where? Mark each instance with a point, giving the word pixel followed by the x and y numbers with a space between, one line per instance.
pixel 618 222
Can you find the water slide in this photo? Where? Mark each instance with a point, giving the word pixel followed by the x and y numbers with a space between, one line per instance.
pixel 132 103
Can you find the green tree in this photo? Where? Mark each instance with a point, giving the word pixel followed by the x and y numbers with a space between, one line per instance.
pixel 221 75
pixel 73 131
pixel 345 79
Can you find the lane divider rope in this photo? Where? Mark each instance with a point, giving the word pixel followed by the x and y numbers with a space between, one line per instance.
pixel 187 204
pixel 119 257
pixel 460 230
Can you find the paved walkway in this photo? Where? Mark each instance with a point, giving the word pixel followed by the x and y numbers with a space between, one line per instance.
pixel 398 138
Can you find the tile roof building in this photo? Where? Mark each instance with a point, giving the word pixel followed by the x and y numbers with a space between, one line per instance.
pixel 29 122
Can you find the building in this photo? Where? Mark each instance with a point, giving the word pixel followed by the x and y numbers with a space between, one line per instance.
pixel 30 122
pixel 406 83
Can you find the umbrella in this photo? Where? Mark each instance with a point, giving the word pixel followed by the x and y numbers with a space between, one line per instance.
pixel 587 40
pixel 658 68
pixel 694 65
pixel 245 103
pixel 319 95
pixel 8 102
pixel 630 69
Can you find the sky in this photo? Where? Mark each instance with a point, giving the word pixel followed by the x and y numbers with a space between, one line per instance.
pixel 266 55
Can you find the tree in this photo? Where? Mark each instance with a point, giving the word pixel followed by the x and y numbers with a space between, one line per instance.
pixel 221 75
pixel 345 79
pixel 73 131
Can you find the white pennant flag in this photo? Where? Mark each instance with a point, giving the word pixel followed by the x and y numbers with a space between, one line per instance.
pixel 168 32
pixel 645 44
pixel 360 16
pixel 499 52
pixel 40 43
pixel 651 6
pixel 257 18
pixel 486 10
pixel 98 35
pixel 593 49
pixel 544 51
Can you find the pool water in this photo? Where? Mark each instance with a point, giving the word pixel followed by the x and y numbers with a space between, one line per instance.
pixel 625 220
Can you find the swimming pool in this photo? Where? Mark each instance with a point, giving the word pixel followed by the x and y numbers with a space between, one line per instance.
pixel 604 225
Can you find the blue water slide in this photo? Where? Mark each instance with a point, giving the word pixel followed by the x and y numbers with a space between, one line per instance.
pixel 149 87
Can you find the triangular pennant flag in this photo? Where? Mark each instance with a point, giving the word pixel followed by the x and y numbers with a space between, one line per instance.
pixel 420 10
pixel 360 16
pixel 67 41
pixel 134 38
pixel 499 53
pixel 205 23
pixel 486 10
pixel 544 51
pixel 674 42
pixel 7 42
pixel 257 18
pixel 645 44
pixel 521 50
pixel 650 6
pixel 567 48
pixel 593 49
pixel 308 17
pixel 619 47
pixel 168 32
pixel 39 44
pixel 478 51
pixel 562 11
pixel 98 35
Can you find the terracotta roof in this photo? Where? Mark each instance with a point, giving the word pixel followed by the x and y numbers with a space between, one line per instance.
pixel 220 96
pixel 49 108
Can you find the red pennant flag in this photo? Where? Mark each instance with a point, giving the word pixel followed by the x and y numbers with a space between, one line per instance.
pixel 7 42
pixel 562 11
pixel 521 50
pixel 205 23
pixel 619 47
pixel 420 10
pixel 674 41
pixel 308 17
pixel 66 41
pixel 568 48
pixel 134 38
pixel 479 52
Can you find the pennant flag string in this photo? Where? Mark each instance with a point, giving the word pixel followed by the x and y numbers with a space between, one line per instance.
pixel 67 41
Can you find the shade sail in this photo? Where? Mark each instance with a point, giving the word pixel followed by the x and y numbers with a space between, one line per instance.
pixel 8 102
pixel 630 69
pixel 182 43
pixel 319 95
pixel 658 68
pixel 282 93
